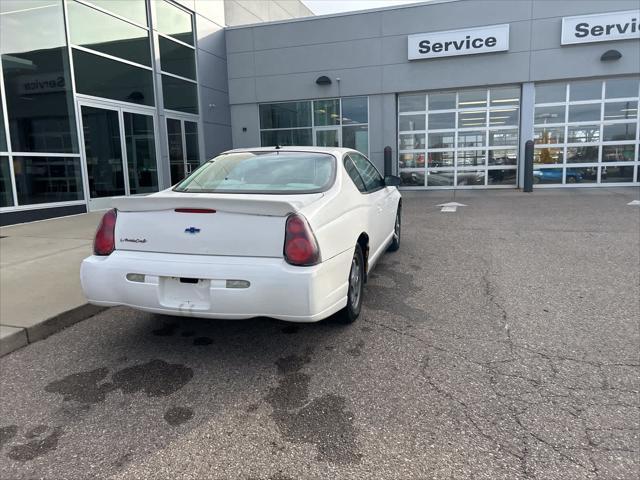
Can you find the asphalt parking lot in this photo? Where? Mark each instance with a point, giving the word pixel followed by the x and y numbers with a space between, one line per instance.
pixel 500 342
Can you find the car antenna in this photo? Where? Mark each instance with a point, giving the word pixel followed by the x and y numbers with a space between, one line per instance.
pixel 278 147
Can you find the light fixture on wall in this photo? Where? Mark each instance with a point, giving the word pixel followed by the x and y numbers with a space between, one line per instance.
pixel 610 55
pixel 323 80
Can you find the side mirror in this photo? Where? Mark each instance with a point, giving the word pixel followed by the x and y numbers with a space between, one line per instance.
pixel 392 181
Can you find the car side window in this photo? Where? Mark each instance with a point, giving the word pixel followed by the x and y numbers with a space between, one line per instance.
pixel 353 173
pixel 372 179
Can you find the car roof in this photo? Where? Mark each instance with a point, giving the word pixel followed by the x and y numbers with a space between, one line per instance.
pixel 336 151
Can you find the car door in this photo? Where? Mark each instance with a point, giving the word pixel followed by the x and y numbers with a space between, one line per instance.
pixel 380 199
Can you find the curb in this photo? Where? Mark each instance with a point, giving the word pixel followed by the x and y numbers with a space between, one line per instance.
pixel 13 338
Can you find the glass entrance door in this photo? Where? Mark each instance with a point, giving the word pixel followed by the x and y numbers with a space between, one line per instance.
pixel 184 148
pixel 119 152
pixel 327 137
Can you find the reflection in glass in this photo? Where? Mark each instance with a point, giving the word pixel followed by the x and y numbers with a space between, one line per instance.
pixel 412 141
pixel 504 96
pixel 179 95
pixel 356 137
pixel 585 90
pixel 473 158
pixel 621 88
pixel 472 98
pixel 544 115
pixel 442 140
pixel 412 122
pixel 619 132
pixel 176 150
pixel 285 115
pixel 472 118
pixel 547 175
pixel 440 178
pixel 475 138
pixel 582 175
pixel 47 179
pixel 441 159
pixel 503 157
pixel 327 138
pixel 547 135
pixel 621 110
pixel 471 177
pixel 177 59
pixel 411 160
pixel 135 10
pixel 582 154
pixel 503 138
pixel 103 77
pixel 99 31
pixel 173 21
pixel 442 101
pixel 3 136
pixel 583 133
pixel 616 174
pixel 412 179
pixel 551 92
pixel 412 103
pixel 584 113
pixel 326 112
pixel 618 153
pixel 286 137
pixel 547 155
pixel 192 146
pixel 36 77
pixel 103 152
pixel 504 116
pixel 440 121
pixel 141 153
pixel 6 191
pixel 501 177
pixel 355 110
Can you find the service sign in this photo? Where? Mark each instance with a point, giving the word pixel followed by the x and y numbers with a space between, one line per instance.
pixel 601 27
pixel 468 41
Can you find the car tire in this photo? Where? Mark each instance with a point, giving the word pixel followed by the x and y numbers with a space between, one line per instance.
pixel 394 246
pixel 355 291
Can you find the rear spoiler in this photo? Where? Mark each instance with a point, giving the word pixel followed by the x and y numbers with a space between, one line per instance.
pixel 268 205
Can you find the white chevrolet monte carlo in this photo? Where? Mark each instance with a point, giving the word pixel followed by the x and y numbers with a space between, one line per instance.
pixel 289 233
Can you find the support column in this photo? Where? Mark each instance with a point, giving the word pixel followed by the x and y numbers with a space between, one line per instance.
pixel 527 102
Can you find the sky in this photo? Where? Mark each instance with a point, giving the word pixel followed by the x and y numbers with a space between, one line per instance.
pixel 323 7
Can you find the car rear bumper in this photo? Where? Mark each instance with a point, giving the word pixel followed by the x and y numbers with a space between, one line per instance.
pixel 276 289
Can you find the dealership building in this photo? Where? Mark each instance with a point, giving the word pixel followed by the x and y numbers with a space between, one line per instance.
pixel 102 98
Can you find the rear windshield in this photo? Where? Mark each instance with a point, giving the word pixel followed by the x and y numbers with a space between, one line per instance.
pixel 263 172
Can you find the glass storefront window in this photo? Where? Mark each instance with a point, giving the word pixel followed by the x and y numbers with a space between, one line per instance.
pixel 412 103
pixel 472 98
pixel 583 133
pixel 621 110
pixel 472 118
pixel 585 90
pixel 548 135
pixel 616 174
pixel 179 95
pixel 442 101
pixel 582 154
pixel 326 112
pixel 551 92
pixel 412 141
pixel 412 122
pixel 504 96
pixel 503 157
pixel 173 21
pixel 285 115
pixel 474 138
pixel 177 59
pixel 36 73
pixel 470 177
pixel 47 179
pixel 547 175
pixel 473 158
pixel 135 10
pixel 441 159
pixel 501 177
pixel 141 153
pixel 622 87
pixel 355 110
pixel 356 137
pixel 440 178
pixel 618 153
pixel 412 179
pixel 619 132
pixel 504 116
pixel 441 121
pixel 584 112
pixel 412 160
pixel 93 29
pixel 284 138
pixel 503 138
pixel 3 136
pixel 441 140
pixel 582 175
pixel 103 77
pixel 547 156
pixel 544 115
pixel 6 191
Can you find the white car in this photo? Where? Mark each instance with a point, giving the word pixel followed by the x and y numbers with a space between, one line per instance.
pixel 285 232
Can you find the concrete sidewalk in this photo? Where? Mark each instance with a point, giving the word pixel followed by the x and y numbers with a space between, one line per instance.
pixel 39 277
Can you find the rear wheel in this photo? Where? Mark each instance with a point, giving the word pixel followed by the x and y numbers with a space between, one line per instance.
pixel 397 230
pixel 350 313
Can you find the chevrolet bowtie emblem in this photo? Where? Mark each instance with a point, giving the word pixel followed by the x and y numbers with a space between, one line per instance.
pixel 192 230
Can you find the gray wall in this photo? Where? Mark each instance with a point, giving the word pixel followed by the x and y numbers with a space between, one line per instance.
pixel 368 52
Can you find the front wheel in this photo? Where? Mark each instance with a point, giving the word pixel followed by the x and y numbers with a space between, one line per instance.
pixel 397 230
pixel 350 313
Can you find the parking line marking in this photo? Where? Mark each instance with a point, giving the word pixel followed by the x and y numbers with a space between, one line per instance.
pixel 451 206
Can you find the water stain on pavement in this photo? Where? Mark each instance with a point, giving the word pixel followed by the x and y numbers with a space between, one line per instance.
pixel 167 330
pixel 324 421
pixel 6 434
pixel 175 416
pixel 200 341
pixel 36 448
pixel 385 298
pixel 36 431
pixel 289 329
pixel 82 387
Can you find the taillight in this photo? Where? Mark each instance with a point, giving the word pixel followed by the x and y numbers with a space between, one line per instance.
pixel 104 243
pixel 300 246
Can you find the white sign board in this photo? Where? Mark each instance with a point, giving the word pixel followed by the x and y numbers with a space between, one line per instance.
pixel 601 27
pixel 468 41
